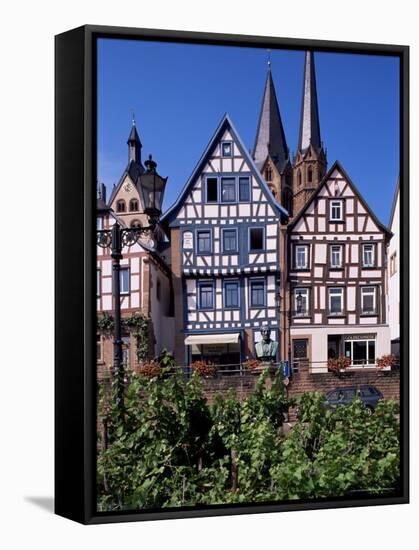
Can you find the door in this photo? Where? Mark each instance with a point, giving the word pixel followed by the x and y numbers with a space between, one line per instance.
pixel 299 352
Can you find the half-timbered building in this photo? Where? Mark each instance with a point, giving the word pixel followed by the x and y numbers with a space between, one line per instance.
pixel 393 274
pixel 225 254
pixel 145 277
pixel 337 268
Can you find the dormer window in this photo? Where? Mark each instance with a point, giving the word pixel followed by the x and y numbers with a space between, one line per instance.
pixel 133 205
pixel 336 211
pixel 121 206
pixel 226 149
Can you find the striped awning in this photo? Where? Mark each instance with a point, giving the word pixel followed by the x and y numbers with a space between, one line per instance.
pixel 225 338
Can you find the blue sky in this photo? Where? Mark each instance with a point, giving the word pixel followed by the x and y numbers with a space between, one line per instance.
pixel 180 92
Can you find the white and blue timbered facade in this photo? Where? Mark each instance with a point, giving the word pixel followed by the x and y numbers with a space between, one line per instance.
pixel 227 225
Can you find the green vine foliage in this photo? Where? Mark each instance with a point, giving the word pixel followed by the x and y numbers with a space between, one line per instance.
pixel 173 449
pixel 137 323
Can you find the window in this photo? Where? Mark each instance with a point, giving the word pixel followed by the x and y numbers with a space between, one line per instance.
pixel 229 240
pixel 257 293
pixel 97 282
pixel 368 299
pixel 133 205
pixel 206 296
pixel 99 222
pixel 300 349
pixel 136 223
pixel 244 189
pixel 231 294
pixel 310 174
pixel 368 255
pixel 204 242
pixel 393 264
pixel 226 149
pixel 268 174
pixel 301 256
pixel 212 190
pixel 299 182
pixel 301 301
pixel 124 280
pixel 335 301
pixel 361 351
pixel 336 211
pixel 336 256
pixel 121 206
pixel 228 189
pixel 98 347
pixel 256 238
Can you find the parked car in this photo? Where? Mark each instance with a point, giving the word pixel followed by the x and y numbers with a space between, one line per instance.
pixel 369 396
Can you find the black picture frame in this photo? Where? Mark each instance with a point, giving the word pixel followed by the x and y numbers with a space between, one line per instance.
pixel 75 307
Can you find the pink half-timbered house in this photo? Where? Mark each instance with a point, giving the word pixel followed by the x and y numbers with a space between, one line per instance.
pixel 336 277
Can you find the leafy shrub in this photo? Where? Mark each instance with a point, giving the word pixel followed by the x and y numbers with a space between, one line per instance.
pixel 172 448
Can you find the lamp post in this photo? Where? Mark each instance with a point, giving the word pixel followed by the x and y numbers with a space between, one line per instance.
pixel 152 188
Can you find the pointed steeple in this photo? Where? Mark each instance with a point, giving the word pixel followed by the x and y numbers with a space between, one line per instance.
pixel 134 144
pixel 270 135
pixel 309 124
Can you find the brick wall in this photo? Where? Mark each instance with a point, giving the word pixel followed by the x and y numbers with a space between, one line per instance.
pixel 304 381
pixel 388 382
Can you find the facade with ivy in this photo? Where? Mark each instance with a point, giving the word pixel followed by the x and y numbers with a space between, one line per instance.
pixel 145 277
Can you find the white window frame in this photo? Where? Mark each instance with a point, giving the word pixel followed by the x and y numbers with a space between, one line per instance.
pixel 372 263
pixel 336 203
pixel 368 343
pixel 305 248
pixel 332 291
pixel 340 264
pixel 122 290
pixel 304 291
pixel 368 290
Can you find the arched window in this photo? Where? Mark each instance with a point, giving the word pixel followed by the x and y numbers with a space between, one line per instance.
pixel 136 223
pixel 268 174
pixel 121 206
pixel 310 174
pixel 133 205
pixel 299 178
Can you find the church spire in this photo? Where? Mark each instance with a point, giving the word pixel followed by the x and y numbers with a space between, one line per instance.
pixel 134 144
pixel 310 162
pixel 309 124
pixel 270 135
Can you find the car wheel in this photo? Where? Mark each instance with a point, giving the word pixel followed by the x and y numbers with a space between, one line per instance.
pixel 369 409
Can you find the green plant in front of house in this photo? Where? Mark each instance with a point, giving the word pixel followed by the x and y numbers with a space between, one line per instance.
pixel 137 323
pixel 174 449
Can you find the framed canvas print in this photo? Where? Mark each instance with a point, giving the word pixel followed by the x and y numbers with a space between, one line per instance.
pixel 231 274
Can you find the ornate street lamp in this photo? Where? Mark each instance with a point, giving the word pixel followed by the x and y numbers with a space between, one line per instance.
pixel 151 188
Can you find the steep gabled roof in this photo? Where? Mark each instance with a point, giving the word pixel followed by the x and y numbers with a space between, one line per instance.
pixel 337 166
pixel 225 124
pixel 133 170
pixel 270 135
pixel 393 206
pixel 309 123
